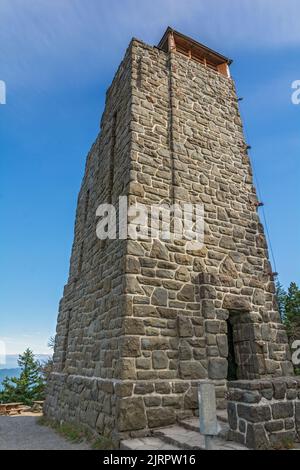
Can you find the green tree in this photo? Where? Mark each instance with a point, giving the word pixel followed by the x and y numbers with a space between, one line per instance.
pixel 29 386
pixel 47 366
pixel 51 342
pixel 281 299
pixel 289 308
pixel 292 312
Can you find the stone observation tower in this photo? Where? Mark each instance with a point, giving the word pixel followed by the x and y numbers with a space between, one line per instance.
pixel 142 321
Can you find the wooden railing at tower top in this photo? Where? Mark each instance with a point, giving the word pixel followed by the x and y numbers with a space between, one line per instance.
pixel 177 42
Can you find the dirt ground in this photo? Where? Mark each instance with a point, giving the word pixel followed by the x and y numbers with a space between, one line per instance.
pixel 22 432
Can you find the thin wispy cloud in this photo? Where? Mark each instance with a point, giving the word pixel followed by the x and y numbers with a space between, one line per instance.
pixel 16 344
pixel 41 42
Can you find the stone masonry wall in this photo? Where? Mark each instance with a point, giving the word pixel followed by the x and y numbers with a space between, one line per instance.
pixel 188 146
pixel 142 321
pixel 265 414
pixel 87 357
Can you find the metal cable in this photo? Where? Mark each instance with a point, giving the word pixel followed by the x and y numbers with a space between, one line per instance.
pixel 259 191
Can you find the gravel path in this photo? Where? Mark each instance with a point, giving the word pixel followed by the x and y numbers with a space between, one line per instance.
pixel 24 433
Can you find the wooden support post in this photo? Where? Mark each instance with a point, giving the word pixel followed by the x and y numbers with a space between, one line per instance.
pixel 171 42
pixel 224 69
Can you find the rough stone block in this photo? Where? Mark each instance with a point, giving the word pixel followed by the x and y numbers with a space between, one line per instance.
pixel 185 327
pixel 251 396
pixel 279 389
pixel 235 302
pixel 160 297
pixel 242 426
pixel 131 414
pixel 208 309
pixel 180 387
pixel 253 413
pixel 187 293
pixel 256 437
pixel 143 363
pixel 236 437
pixel 154 343
pixel 159 250
pixel 192 370
pixel 182 274
pixel 212 326
pixel 191 399
pixel 175 401
pixel 282 440
pixel 217 368
pixel 297 415
pixel 267 393
pixel 123 389
pixel 142 388
pixel 134 326
pixel 291 394
pixel 289 423
pixel 282 410
pixel 159 417
pixel 130 346
pixel 159 360
pixel 163 387
pixel 185 351
pixel 232 415
pixel 274 426
pixel 152 401
pixel 222 342
pixel 125 369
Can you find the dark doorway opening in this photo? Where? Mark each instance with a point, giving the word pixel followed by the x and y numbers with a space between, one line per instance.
pixel 232 364
pixel 245 355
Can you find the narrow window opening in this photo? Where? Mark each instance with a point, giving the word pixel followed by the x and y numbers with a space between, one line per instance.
pixel 139 73
pixel 66 339
pixel 80 258
pixel 112 158
pixel 86 206
pixel 232 363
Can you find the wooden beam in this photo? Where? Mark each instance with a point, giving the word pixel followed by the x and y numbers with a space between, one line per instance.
pixel 224 69
pixel 171 42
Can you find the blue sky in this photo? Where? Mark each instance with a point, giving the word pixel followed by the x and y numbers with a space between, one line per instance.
pixel 57 58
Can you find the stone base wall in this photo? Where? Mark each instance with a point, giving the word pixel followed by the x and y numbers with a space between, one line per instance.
pixel 122 408
pixel 85 401
pixel 265 414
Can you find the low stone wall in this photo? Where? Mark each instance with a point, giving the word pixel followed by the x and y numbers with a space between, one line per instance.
pixel 264 414
pixel 121 408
